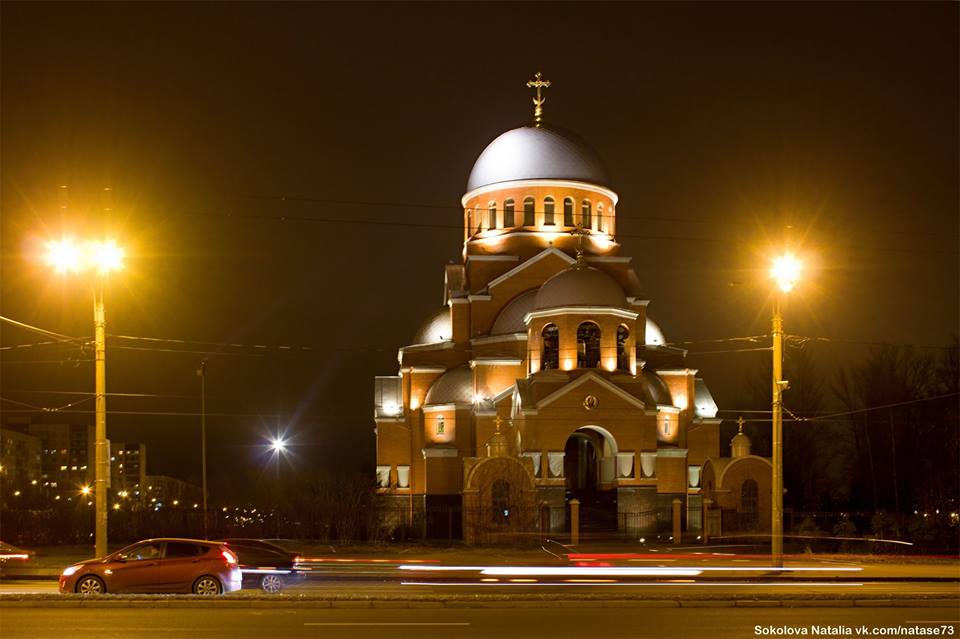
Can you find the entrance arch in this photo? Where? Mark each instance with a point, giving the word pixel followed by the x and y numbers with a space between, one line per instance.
pixel 590 463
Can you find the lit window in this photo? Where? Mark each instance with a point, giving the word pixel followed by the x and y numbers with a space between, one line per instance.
pixel 548 205
pixel 588 345
pixel 599 217
pixel 529 215
pixel 586 217
pixel 550 355
pixel 508 218
pixel 492 215
pixel 568 211
pixel 441 426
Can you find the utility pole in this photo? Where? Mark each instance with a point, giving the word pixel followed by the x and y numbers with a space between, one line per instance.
pixel 776 510
pixel 102 462
pixel 202 373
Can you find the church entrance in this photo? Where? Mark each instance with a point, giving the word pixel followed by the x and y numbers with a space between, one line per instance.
pixel 588 466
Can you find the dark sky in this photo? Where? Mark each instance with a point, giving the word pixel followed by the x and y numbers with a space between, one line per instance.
pixel 728 128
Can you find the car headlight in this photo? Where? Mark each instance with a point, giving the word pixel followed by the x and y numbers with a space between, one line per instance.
pixel 69 571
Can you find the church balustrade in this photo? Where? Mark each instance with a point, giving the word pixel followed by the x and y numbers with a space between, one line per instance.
pixel 625 465
pixel 403 477
pixel 555 461
pixel 648 464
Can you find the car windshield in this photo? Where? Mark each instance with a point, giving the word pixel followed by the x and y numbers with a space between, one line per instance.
pixel 138 552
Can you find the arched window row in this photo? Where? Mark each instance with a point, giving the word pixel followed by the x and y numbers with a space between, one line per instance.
pixel 588 347
pixel 505 214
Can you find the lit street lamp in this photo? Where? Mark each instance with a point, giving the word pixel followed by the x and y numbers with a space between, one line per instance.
pixel 785 272
pixel 66 256
pixel 278 445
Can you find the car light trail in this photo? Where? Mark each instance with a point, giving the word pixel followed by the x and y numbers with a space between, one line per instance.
pixel 589 571
pixel 695 584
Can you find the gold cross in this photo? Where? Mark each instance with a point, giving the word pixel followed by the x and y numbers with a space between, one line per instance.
pixel 740 423
pixel 537 83
pixel 498 422
pixel 579 232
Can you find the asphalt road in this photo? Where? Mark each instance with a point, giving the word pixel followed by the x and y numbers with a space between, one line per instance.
pixel 502 623
pixel 430 584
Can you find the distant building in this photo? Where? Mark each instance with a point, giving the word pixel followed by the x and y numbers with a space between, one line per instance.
pixel 20 476
pixel 128 470
pixel 67 456
pixel 166 492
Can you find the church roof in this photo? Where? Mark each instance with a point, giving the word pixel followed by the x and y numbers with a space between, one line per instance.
pixel 532 153
pixel 453 387
pixel 657 388
pixel 510 319
pixel 580 286
pixel 435 328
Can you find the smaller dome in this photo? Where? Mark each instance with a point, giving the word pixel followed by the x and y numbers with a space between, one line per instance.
pixel 580 285
pixel 453 387
pixel 510 319
pixel 658 388
pixel 654 334
pixel 740 444
pixel 435 329
pixel 498 445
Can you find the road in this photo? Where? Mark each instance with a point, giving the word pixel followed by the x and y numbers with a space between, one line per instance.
pixel 502 623
pixel 686 588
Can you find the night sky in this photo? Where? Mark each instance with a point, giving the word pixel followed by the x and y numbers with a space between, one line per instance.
pixel 223 129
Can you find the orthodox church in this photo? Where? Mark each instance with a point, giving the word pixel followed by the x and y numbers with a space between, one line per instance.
pixel 542 379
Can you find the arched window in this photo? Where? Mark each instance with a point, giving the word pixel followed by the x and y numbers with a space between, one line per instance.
pixel 748 504
pixel 586 217
pixel 548 211
pixel 568 211
pixel 623 355
pixel 588 345
pixel 600 217
pixel 500 501
pixel 550 353
pixel 508 220
pixel 492 215
pixel 529 217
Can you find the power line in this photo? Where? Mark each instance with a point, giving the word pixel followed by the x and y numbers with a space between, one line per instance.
pixel 41 331
pixel 872 408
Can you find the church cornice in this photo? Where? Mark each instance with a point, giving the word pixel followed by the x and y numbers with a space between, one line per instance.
pixel 520 184
pixel 581 310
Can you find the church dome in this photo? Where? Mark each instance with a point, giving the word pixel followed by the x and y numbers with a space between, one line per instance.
pixel 453 387
pixel 740 444
pixel 510 319
pixel 436 328
pixel 537 153
pixel 580 286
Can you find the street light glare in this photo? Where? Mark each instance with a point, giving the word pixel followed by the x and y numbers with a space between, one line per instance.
pixel 278 445
pixel 66 256
pixel 63 255
pixel 786 271
pixel 85 490
pixel 106 256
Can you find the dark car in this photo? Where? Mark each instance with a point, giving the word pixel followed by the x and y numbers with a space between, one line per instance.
pixel 158 565
pixel 265 565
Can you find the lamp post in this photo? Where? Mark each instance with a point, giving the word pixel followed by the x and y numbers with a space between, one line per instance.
pixel 65 256
pixel 279 446
pixel 785 272
pixel 202 373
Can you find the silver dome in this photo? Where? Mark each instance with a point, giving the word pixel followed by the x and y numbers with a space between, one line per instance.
pixel 453 387
pixel 580 286
pixel 435 329
pixel 510 319
pixel 532 153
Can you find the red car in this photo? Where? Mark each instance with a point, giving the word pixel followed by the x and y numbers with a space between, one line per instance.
pixel 158 565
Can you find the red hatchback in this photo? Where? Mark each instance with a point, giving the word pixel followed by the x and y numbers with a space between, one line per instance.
pixel 158 565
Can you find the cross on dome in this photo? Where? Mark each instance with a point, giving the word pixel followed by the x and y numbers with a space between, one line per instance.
pixel 537 83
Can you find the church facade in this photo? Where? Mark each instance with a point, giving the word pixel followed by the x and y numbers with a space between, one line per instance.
pixel 541 378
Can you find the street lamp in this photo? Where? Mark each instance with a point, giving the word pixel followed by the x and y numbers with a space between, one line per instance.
pixel 785 271
pixel 102 257
pixel 278 445
pixel 202 374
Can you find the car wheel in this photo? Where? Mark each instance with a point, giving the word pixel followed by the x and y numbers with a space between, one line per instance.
pixel 90 585
pixel 206 585
pixel 272 583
